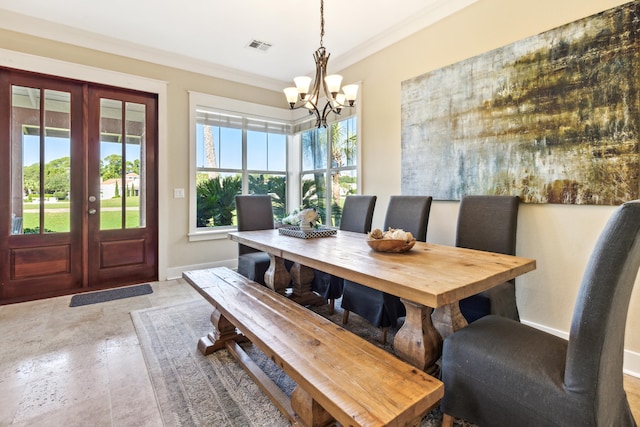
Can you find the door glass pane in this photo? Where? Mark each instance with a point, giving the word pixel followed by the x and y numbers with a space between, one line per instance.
pixel 41 173
pixel 57 157
pixel 134 184
pixel 111 170
pixel 25 160
pixel 122 168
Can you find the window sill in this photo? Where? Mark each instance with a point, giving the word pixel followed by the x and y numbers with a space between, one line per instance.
pixel 216 234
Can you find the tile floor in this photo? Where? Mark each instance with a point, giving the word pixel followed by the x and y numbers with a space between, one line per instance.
pixel 82 366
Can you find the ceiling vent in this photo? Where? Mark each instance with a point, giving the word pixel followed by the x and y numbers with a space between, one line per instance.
pixel 258 45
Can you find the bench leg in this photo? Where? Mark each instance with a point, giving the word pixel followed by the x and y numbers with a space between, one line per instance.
pixel 223 331
pixel 310 413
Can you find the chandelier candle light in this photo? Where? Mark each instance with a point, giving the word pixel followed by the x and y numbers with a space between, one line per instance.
pixel 327 86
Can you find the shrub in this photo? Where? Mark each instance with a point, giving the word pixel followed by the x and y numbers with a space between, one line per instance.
pixel 216 201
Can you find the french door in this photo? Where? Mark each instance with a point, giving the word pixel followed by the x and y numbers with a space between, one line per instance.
pixel 78 195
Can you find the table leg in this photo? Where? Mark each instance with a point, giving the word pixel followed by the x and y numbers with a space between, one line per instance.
pixel 418 342
pixel 277 277
pixel 448 319
pixel 302 276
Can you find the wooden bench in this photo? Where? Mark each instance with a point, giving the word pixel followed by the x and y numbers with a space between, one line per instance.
pixel 340 376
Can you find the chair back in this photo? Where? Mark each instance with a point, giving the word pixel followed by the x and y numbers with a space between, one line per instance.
pixel 254 212
pixel 410 213
pixel 488 223
pixel 596 341
pixel 357 213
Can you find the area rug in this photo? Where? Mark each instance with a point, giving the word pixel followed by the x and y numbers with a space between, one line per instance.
pixel 110 295
pixel 196 390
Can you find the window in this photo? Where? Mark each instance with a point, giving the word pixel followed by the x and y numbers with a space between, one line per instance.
pixel 239 148
pixel 329 168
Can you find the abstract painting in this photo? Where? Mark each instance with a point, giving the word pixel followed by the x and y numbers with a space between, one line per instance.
pixel 553 118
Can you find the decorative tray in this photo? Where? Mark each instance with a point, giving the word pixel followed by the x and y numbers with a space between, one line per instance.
pixel 294 231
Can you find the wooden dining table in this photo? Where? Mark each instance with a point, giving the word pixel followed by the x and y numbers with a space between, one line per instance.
pixel 430 279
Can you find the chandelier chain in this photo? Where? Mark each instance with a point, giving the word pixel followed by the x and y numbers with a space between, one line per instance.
pixel 321 22
pixel 325 87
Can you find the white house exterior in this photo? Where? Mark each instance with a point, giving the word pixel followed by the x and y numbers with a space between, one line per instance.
pixel 108 187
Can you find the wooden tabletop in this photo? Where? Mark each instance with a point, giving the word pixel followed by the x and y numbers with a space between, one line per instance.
pixel 429 274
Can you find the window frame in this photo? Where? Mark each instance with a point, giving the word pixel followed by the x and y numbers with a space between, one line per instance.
pixel 330 169
pixel 298 119
pixel 240 108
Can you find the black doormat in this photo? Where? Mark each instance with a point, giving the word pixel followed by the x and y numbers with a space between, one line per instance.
pixel 110 295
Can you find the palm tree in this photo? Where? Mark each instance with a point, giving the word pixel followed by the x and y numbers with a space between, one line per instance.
pixel 216 201
pixel 343 145
pixel 313 195
pixel 337 142
pixel 209 151
pixel 273 185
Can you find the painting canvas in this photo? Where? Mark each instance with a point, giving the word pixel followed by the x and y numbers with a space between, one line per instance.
pixel 553 118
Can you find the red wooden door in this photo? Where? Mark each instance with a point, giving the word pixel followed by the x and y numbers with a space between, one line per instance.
pixel 122 203
pixel 52 148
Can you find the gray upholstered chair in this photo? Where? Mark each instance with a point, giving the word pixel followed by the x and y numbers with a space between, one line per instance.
pixel 499 372
pixel 357 213
pixel 357 216
pixel 410 213
pixel 489 223
pixel 254 212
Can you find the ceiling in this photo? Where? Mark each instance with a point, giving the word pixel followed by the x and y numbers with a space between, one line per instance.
pixel 211 36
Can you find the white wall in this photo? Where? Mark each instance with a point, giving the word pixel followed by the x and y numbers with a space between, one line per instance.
pixel 559 237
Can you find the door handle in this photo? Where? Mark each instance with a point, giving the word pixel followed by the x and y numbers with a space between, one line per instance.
pixel 92 211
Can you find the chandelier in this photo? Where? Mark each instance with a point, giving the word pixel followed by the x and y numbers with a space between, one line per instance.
pixel 324 86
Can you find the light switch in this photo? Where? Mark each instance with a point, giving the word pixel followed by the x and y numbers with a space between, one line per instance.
pixel 178 193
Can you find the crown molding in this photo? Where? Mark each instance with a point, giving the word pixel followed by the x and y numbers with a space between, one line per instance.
pixel 431 14
pixel 436 11
pixel 61 33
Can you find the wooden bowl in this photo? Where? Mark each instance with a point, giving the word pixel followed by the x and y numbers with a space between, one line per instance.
pixel 391 245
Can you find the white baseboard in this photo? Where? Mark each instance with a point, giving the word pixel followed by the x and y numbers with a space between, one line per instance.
pixel 631 365
pixel 176 272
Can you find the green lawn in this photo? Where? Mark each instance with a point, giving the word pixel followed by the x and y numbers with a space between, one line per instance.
pixel 57 220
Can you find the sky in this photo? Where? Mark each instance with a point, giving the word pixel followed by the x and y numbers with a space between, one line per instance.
pixel 265 151
pixel 56 148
